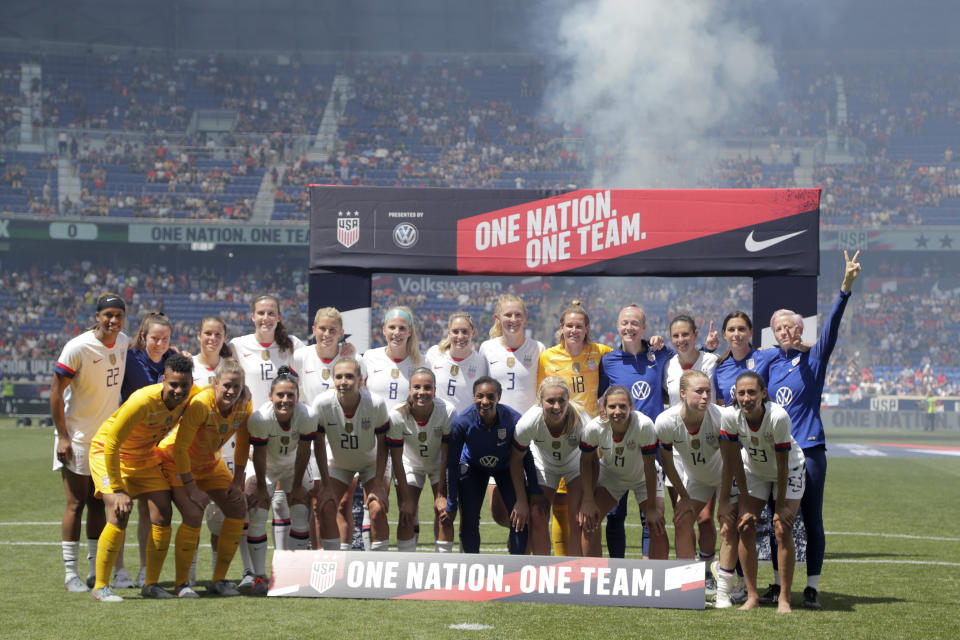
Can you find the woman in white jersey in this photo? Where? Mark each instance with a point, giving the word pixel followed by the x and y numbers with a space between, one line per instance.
pixel 690 430
pixel 389 367
pixel 553 430
pixel 280 429
pixel 771 463
pixel 261 354
pixel 627 443
pixel 455 363
pixel 423 422
pixel 512 359
pixel 355 422
pixel 84 392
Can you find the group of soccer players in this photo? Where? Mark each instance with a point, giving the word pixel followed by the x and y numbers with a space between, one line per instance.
pixel 562 434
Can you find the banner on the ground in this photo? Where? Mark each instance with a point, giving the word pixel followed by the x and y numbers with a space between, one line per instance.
pixel 673 584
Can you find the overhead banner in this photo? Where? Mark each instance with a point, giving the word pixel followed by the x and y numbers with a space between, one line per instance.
pixel 673 584
pixel 588 231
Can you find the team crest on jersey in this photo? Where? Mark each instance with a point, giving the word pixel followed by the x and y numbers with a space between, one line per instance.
pixel 576 367
pixel 113 358
pixel 695 443
pixel 572 441
pixel 348 427
pixel 395 373
pixel 501 434
pixel 711 439
pixel 754 441
pixel 323 574
pixel 422 436
pixel 365 424
pixel 768 436
pixel 556 444
pixel 224 427
pixel 265 355
pixel 437 432
pixel 348 231
pixel 795 361
pixel 454 370
pixel 511 361
pixel 325 374
pixel 631 445
pixel 618 451
pixel 750 364
pixel 592 365
pixel 472 372
pixel 284 440
pixel 526 361
pixel 651 356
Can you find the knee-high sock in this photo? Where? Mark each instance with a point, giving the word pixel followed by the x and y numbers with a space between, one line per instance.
pixel 230 533
pixel 281 520
pixel 70 550
pixel 299 527
pixel 108 548
pixel 185 549
pixel 561 530
pixel 257 540
pixel 92 555
pixel 158 542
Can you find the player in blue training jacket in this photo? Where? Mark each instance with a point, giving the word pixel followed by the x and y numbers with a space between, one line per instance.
pixel 796 382
pixel 741 356
pixel 481 440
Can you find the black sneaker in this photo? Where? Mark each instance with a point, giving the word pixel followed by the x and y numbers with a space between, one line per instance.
pixel 810 600
pixel 771 596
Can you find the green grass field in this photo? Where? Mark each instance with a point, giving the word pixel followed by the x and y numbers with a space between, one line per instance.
pixel 892 570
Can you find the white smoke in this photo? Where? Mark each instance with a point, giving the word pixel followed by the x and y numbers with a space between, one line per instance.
pixel 649 81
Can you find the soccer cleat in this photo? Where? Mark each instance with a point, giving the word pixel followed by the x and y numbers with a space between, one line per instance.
pixel 141 577
pixel 155 591
pixel 223 588
pixel 739 593
pixel 246 583
pixel 122 580
pixel 91 580
pixel 259 587
pixel 105 594
pixel 185 591
pixel 771 596
pixel 810 600
pixel 709 586
pixel 74 584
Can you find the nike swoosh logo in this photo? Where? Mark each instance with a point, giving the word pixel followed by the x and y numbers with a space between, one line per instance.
pixel 377 370
pixel 759 245
pixel 247 355
pixel 494 361
pixel 438 367
pixel 308 371
pixel 96 361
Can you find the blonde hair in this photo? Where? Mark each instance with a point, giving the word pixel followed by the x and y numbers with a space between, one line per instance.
pixel 445 343
pixel 575 307
pixel 230 366
pixel 573 408
pixel 689 375
pixel 497 330
pixel 328 312
pixel 413 342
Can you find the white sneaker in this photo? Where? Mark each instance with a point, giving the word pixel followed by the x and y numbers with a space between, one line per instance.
pixel 247 581
pixel 122 580
pixel 141 578
pixel 184 591
pixel 74 584
pixel 105 594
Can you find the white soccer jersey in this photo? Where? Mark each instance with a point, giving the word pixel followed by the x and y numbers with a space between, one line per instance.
pixel 202 374
pixel 260 363
pixel 622 458
pixel 705 364
pixel 760 446
pixel 549 452
pixel 455 378
pixel 422 442
pixel 700 452
pixel 95 372
pixel 351 440
pixel 316 374
pixel 385 378
pixel 281 443
pixel 516 370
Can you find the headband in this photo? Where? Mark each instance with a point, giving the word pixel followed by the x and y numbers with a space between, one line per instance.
pixel 398 312
pixel 111 302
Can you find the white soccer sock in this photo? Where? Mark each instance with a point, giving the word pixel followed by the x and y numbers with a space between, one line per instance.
pixel 299 528
pixel 776 578
pixel 407 545
pixel 281 520
pixel 380 545
pixel 813 581
pixel 69 550
pixel 257 540
pixel 365 530
pixel 92 556
pixel 345 546
pixel 330 544
pixel 724 582
pixel 245 554
pixel 443 546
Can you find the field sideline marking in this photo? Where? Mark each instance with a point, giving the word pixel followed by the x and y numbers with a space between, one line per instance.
pixel 864 534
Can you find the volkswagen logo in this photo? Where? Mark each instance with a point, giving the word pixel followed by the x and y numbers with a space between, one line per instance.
pixel 405 235
pixel 489 461
pixel 784 396
pixel 640 390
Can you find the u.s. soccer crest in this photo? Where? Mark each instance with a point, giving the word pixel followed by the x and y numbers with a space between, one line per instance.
pixel 348 230
pixel 323 575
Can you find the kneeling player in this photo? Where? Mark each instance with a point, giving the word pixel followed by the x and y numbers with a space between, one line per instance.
pixel 771 463
pixel 276 430
pixel 197 473
pixel 627 443
pixel 124 465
